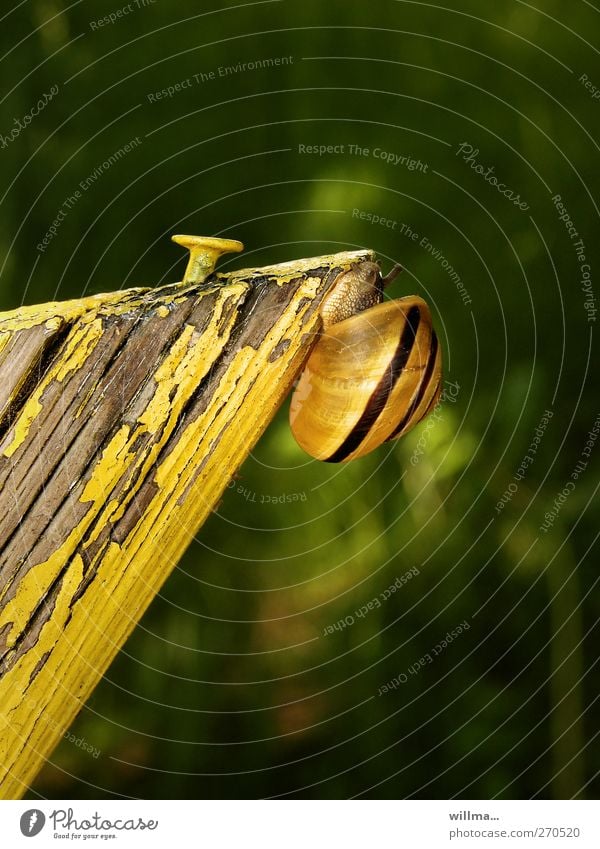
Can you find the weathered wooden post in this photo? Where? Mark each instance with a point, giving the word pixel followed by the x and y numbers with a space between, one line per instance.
pixel 122 419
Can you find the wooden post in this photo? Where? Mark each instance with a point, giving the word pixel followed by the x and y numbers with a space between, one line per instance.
pixel 122 419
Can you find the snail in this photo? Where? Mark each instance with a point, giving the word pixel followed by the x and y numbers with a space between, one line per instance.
pixel 374 372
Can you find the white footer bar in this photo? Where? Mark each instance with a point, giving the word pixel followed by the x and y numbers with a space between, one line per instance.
pixel 302 824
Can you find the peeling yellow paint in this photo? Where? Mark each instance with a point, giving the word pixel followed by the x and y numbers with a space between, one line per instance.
pixel 24 318
pixel 79 347
pixel 33 587
pixel 107 471
pixel 167 378
pixel 53 323
pixel 30 412
pixel 21 706
pixel 177 377
pixel 84 636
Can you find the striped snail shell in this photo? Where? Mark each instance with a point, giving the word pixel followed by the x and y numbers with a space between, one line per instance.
pixel 374 373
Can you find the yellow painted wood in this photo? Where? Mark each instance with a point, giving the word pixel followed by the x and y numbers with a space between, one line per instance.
pixel 147 490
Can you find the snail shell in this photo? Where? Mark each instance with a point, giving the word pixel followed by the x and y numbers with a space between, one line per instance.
pixel 372 375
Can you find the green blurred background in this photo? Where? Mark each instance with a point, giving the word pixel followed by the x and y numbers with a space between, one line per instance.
pixel 232 686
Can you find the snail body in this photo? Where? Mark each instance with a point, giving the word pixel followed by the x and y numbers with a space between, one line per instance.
pixel 374 373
